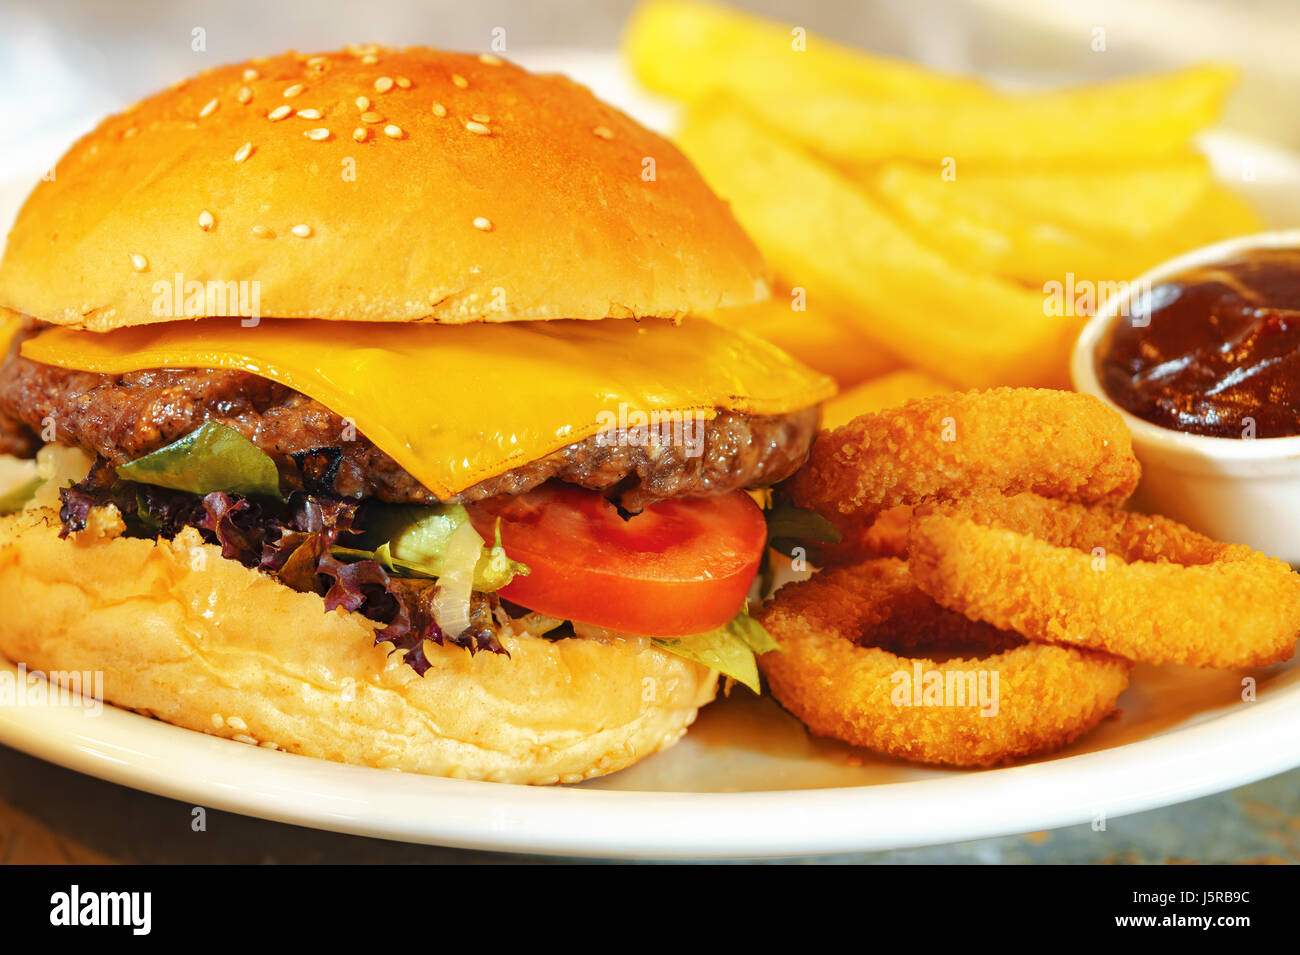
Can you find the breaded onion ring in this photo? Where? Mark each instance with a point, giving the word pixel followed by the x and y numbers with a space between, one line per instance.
pixel 864 536
pixel 1140 586
pixel 1046 696
pixel 1004 440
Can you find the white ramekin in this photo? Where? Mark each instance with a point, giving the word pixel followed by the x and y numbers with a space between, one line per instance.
pixel 1242 490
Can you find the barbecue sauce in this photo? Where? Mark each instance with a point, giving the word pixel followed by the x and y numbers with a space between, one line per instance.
pixel 1213 351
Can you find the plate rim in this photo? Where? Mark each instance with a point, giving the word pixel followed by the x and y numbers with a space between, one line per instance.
pixel 129 749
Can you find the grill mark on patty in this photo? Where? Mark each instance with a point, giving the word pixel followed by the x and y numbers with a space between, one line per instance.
pixel 125 416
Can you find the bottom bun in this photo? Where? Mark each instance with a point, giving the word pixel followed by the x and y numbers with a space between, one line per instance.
pixel 185 635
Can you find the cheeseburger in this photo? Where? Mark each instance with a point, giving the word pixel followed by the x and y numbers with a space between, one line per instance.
pixel 364 406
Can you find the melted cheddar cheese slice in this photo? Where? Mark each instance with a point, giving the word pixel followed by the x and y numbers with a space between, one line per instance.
pixel 454 405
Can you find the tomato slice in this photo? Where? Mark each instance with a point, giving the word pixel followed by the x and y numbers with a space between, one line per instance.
pixel 677 568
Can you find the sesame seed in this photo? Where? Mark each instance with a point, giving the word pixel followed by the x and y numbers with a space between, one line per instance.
pixel 309 113
pixel 243 152
pixel 482 223
pixel 372 117
pixel 439 109
pixel 129 132
pixel 244 95
pixel 317 134
pixel 262 232
pixel 603 132
pixel 244 738
pixel 482 117
pixel 236 723
pixel 360 134
pixel 316 62
pixel 218 721
pixel 489 59
pixel 250 75
pixel 209 108
pixel 139 262
pixel 402 83
pixel 301 231
pixel 393 132
pixel 294 90
pixel 460 81
pixel 383 84
pixel 478 128
pixel 363 103
pixel 370 59
pixel 280 112
pixel 206 221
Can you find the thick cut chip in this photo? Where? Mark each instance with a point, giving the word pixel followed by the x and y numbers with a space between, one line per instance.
pixel 821 232
pixel 879 394
pixel 831 343
pixel 692 51
pixel 988 234
pixel 1132 201
pixel 1129 119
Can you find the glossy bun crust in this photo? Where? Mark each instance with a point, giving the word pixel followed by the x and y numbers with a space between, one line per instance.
pixel 202 642
pixel 377 185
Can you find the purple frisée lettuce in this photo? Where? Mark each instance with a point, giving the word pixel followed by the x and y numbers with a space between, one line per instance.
pixel 295 542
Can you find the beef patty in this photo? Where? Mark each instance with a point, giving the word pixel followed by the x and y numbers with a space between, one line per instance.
pixel 16 438
pixel 125 416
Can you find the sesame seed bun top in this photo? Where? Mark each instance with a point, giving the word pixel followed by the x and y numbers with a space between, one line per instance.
pixel 375 185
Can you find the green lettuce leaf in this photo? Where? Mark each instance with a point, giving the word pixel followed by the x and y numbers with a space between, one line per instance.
pixel 730 649
pixel 211 458
pixel 787 522
pixel 495 566
pixel 752 633
pixel 411 541
pixel 793 530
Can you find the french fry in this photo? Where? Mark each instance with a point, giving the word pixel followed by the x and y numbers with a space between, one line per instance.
pixel 988 235
pixel 1128 119
pixel 1131 201
pixel 816 337
pixel 821 232
pixel 887 391
pixel 692 51
pixel 1219 213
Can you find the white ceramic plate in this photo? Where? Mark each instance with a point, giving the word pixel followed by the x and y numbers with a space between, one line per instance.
pixel 747 780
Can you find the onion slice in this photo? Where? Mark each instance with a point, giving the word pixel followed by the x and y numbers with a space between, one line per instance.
pixel 456 583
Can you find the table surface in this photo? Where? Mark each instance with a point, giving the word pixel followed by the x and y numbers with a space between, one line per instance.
pixel 50 815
